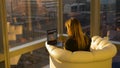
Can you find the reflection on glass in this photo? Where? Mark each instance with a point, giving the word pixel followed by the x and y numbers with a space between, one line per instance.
pixel 79 9
pixel 28 20
pixel 110 19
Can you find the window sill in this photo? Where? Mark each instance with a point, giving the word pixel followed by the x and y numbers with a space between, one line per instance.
pixel 116 42
pixel 28 47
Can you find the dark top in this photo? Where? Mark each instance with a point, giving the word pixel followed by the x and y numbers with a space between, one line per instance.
pixel 72 45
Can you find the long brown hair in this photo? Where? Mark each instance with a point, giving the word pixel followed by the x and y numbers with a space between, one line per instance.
pixel 74 31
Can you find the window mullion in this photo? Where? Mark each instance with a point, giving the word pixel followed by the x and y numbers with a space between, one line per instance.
pixel 3 33
pixel 95 17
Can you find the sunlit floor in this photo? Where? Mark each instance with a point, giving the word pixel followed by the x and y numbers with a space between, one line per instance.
pixel 40 59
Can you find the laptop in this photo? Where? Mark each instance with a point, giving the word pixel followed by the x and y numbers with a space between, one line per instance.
pixel 52 38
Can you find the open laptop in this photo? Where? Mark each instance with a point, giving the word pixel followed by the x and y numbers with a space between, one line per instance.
pixel 52 38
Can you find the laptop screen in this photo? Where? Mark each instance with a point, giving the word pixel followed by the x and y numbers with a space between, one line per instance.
pixel 52 36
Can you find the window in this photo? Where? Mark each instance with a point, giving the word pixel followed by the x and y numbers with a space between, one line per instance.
pixel 28 20
pixel 74 8
pixel 79 10
pixel 110 19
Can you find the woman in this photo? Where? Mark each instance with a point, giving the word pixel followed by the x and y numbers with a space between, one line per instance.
pixel 77 41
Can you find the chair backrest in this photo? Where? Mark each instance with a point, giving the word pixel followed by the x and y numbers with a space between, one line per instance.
pixel 100 55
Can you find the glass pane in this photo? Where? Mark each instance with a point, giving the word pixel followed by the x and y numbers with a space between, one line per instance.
pixel 28 20
pixel 110 19
pixel 79 9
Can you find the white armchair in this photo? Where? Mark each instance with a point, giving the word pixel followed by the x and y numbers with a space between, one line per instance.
pixel 100 56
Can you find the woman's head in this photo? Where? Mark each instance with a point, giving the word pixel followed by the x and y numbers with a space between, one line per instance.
pixel 74 31
pixel 73 27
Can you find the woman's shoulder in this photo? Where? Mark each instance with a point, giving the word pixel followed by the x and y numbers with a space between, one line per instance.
pixel 70 41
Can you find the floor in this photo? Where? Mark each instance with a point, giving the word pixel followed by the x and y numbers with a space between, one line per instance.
pixel 36 59
pixel 116 60
pixel 39 59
